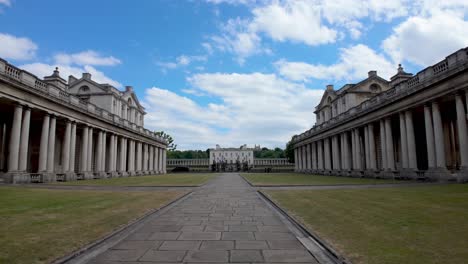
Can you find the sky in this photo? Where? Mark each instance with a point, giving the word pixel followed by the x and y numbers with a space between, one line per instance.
pixel 230 72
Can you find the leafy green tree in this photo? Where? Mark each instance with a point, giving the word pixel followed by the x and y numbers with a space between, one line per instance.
pixel 171 146
pixel 289 151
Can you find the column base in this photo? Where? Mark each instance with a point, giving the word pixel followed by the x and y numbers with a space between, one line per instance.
pixel 439 174
pixel 131 173
pixel 408 174
pixel 70 176
pixel 369 173
pixel 16 177
pixel 462 175
pixel 113 174
pixel 123 174
pixel 357 173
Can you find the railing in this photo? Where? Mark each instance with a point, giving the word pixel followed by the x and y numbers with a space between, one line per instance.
pixel 51 90
pixel 401 89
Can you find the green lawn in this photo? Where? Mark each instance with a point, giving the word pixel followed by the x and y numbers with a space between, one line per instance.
pixel 399 225
pixel 185 179
pixel 39 225
pixel 307 179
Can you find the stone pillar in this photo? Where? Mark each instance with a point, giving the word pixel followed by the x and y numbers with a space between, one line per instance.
pixel 138 159
pixel 429 137
pixel 15 135
pixel 383 145
pixel 326 152
pixel 304 158
pixel 156 159
pixel 125 153
pixel 72 147
pixel 309 157
pixel 104 153
pixel 44 143
pixel 299 155
pixel 462 132
pixel 161 169
pixel 151 159
pixel 353 149
pixel 438 136
pixel 296 160
pixel 66 148
pixel 314 155
pixel 24 141
pixel 411 141
pixel 111 154
pixel 372 157
pixel 122 157
pixel 404 143
pixel 389 144
pixel 358 150
pixel 99 153
pixel 320 155
pixel 164 160
pixel 145 157
pixel 84 150
pixel 345 151
pixel 90 150
pixel 336 150
pixel 51 148
pixel 130 159
pixel 366 147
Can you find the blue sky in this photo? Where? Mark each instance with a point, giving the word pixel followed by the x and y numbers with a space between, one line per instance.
pixel 230 72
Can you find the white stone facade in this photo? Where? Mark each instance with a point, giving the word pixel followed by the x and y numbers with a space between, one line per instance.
pixel 408 127
pixel 232 155
pixel 51 130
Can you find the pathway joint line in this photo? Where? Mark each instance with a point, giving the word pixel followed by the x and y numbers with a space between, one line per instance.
pixel 85 253
pixel 321 250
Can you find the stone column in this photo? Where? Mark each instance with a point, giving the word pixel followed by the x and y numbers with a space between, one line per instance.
pixel 314 156
pixel 309 157
pixel 99 156
pixel 90 150
pixel 353 149
pixel 72 147
pixel 429 137
pixel 15 135
pixel 164 160
pixel 156 160
pixel 462 132
pixel 161 160
pixel 122 155
pixel 111 154
pixel 24 142
pixel 389 144
pixel 51 149
pixel 84 150
pixel 151 159
pixel 438 136
pixel 411 141
pixel 304 158
pixel 130 159
pixel 345 151
pixel 299 155
pixel 125 153
pixel 383 145
pixel 404 143
pixel 66 147
pixel 296 160
pixel 336 149
pixel 372 157
pixel 366 147
pixel 358 150
pixel 44 143
pixel 320 155
pixel 104 153
pixel 138 159
pixel 326 152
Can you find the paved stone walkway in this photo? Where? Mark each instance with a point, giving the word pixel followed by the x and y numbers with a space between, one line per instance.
pixel 224 221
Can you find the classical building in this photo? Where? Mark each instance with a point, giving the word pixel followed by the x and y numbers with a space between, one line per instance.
pixel 232 155
pixel 52 130
pixel 408 127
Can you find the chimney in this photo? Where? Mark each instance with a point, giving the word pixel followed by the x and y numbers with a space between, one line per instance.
pixel 372 73
pixel 330 87
pixel 86 76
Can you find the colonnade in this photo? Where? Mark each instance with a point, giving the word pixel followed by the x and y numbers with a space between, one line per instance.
pixel 69 150
pixel 416 142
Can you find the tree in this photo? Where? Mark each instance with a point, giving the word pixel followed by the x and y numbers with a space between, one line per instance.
pixel 289 151
pixel 170 141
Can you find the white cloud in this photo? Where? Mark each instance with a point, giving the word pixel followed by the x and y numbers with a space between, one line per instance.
pixel 5 2
pixel 181 61
pixel 43 69
pixel 16 48
pixel 252 108
pixel 88 57
pixel 354 64
pixel 427 40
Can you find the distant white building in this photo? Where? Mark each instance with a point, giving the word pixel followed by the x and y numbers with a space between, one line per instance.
pixel 232 155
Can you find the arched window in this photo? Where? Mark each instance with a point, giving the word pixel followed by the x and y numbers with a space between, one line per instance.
pixel 375 88
pixel 84 89
pixel 329 100
pixel 129 101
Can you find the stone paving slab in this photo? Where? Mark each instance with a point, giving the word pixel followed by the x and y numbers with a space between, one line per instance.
pixel 224 221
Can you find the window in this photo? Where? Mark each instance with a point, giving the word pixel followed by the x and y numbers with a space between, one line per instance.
pixel 375 88
pixel 84 88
